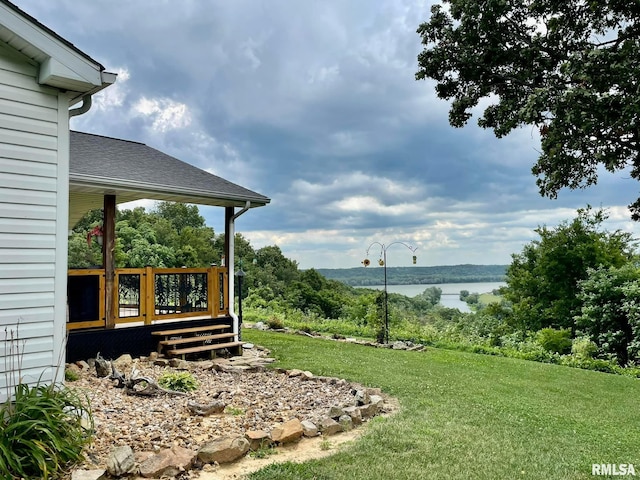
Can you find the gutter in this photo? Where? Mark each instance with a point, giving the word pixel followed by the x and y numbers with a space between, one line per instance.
pixel 107 79
pixel 231 270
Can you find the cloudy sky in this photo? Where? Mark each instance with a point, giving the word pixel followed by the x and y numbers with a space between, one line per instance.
pixel 314 104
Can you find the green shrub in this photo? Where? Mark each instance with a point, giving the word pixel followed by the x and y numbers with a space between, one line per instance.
pixel 178 381
pixel 44 430
pixel 275 323
pixel 555 341
pixel 583 348
pixel 71 375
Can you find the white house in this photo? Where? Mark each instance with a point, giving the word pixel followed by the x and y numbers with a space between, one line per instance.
pixel 49 177
pixel 44 80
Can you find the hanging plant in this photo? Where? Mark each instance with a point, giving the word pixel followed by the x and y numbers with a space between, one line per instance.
pixel 95 232
pixel 366 262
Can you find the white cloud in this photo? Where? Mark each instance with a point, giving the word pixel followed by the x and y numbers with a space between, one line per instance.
pixel 165 113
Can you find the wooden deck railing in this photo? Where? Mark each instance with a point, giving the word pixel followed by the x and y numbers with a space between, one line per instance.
pixel 147 294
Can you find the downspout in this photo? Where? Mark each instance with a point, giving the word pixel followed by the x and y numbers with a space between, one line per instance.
pixel 231 270
pixel 84 108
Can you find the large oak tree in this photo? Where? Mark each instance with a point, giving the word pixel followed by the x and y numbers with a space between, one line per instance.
pixel 571 68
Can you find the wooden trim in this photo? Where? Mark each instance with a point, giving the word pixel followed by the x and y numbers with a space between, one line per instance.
pixel 147 307
pixel 100 321
pixel 108 247
pixel 149 296
pixel 142 300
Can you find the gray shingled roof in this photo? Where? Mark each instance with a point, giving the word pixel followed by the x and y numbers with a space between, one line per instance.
pixel 133 171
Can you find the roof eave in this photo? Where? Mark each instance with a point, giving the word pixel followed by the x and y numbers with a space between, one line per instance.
pixel 145 190
pixel 62 65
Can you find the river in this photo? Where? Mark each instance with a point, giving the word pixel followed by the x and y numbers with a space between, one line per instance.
pixel 450 291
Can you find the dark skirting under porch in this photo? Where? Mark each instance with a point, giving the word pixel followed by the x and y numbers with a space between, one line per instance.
pixel 134 340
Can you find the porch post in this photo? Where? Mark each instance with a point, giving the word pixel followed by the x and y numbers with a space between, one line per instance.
pixel 228 218
pixel 108 246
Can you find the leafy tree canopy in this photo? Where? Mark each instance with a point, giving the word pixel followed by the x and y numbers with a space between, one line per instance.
pixel 543 280
pixel 570 68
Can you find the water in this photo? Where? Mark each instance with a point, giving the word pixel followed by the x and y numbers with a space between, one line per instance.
pixel 450 291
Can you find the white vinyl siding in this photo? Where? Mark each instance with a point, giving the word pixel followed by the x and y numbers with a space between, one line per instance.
pixel 31 171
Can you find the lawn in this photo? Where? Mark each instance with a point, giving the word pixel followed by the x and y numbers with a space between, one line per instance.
pixel 468 416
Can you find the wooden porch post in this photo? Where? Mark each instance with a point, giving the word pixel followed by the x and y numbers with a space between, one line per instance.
pixel 228 214
pixel 108 246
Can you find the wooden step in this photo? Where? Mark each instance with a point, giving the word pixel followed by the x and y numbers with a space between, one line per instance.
pixel 202 338
pixel 182 331
pixel 203 348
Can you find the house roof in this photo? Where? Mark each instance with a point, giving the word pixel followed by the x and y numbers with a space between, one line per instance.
pixel 134 171
pixel 61 64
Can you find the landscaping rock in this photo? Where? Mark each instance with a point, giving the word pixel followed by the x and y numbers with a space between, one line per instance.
pixel 100 474
pixel 345 422
pixel 336 412
pixel 123 363
pixel 258 439
pixel 121 461
pixel 168 463
pixel 355 414
pixel 83 365
pixel 288 432
pixel 378 401
pixel 362 397
pixel 216 406
pixel 309 428
pixel 369 410
pixel 179 364
pixel 328 426
pixel 223 450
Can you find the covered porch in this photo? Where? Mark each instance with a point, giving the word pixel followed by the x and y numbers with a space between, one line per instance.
pixel 125 310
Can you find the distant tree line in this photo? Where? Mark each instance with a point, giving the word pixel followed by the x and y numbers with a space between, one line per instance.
pixel 374 275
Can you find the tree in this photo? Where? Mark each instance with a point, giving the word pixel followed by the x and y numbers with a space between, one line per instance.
pixel 543 280
pixel 569 68
pixel 610 311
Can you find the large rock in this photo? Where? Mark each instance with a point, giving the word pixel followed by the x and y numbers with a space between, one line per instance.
pixel 361 397
pixel 369 410
pixel 123 363
pixel 336 412
pixel 258 439
pixel 121 461
pixel 223 450
pixel 89 475
pixel 204 410
pixel 288 432
pixel 328 426
pixel 309 428
pixel 179 364
pixel 168 463
pixel 355 414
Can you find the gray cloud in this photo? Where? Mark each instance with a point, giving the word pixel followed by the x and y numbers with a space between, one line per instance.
pixel 315 104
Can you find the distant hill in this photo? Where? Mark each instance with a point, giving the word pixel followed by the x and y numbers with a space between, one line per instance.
pixel 374 275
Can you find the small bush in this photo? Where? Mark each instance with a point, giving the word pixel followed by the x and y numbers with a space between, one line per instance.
pixel 583 348
pixel 178 381
pixel 555 341
pixel 71 375
pixel 275 323
pixel 43 430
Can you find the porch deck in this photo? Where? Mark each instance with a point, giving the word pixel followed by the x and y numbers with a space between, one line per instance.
pixel 148 303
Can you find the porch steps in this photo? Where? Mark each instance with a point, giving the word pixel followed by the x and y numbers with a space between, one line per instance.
pixel 203 348
pixel 184 341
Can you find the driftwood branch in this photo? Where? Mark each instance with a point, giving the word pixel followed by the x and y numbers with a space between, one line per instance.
pixel 136 385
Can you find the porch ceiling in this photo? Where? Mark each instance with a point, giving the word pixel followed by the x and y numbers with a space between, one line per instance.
pixel 133 171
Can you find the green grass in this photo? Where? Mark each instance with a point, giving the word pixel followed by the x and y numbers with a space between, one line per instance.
pixel 468 416
pixel 487 298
